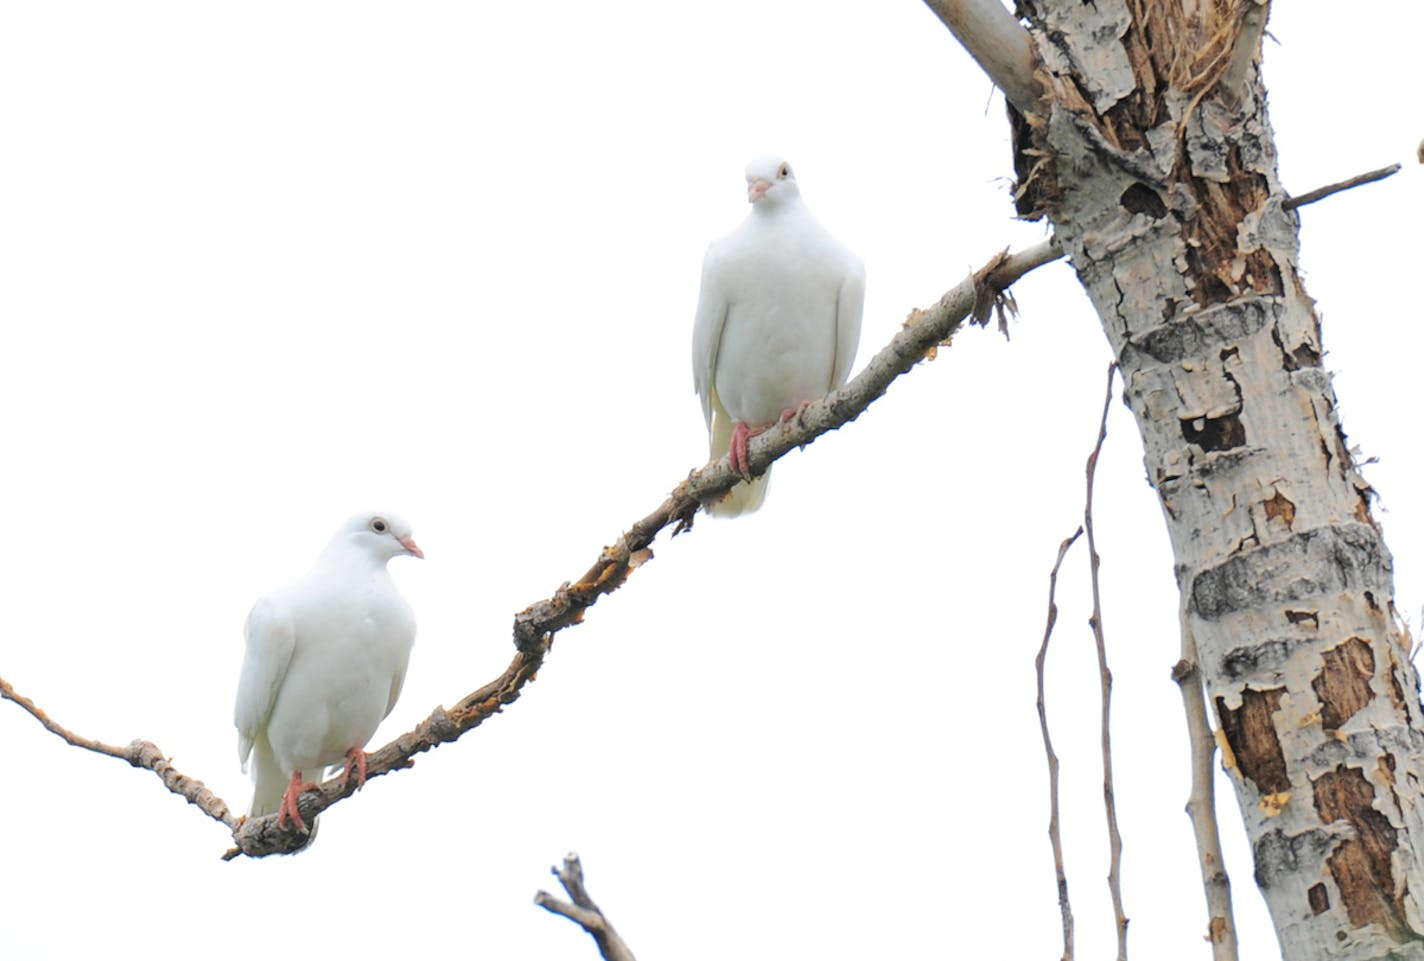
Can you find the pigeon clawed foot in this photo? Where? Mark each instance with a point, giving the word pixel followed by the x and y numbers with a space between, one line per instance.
pixel 794 412
pixel 356 765
pixel 743 432
pixel 288 812
pixel 737 451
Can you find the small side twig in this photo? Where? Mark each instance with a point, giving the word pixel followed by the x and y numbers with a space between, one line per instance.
pixel 1201 806
pixel 1055 835
pixel 139 753
pixel 583 911
pixel 1096 622
pixel 1320 193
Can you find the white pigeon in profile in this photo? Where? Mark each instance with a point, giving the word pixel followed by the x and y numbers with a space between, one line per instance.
pixel 326 658
pixel 778 321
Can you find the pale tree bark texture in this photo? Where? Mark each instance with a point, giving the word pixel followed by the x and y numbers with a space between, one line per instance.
pixel 1150 151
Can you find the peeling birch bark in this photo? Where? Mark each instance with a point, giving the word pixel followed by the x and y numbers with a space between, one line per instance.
pixel 1162 185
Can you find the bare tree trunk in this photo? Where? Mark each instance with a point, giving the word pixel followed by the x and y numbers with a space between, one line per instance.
pixel 1152 154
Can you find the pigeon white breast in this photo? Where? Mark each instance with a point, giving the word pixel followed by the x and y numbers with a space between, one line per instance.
pixel 778 321
pixel 325 661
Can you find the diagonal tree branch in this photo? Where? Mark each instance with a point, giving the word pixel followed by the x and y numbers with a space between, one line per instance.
pixel 974 299
pixel 921 334
pixel 582 911
pixel 258 837
pixel 998 43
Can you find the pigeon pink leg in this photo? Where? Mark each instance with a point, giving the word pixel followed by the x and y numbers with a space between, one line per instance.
pixel 743 432
pixel 356 764
pixel 737 452
pixel 288 810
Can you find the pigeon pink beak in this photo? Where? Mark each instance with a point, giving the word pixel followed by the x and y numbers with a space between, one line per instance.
pixel 756 189
pixel 410 547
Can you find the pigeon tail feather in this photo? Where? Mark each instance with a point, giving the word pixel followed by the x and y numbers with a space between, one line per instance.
pixel 268 781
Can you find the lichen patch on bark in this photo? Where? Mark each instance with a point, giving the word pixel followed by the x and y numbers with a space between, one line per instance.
pixel 1342 558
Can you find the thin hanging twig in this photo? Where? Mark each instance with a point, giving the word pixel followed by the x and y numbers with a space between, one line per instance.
pixel 1096 622
pixel 1055 835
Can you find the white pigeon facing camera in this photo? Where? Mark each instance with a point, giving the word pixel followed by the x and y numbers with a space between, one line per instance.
pixel 778 322
pixel 326 658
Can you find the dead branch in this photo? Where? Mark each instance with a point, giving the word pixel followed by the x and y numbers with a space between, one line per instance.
pixel 582 911
pixel 1096 622
pixel 1055 836
pixel 536 625
pixel 1201 805
pixel 1320 193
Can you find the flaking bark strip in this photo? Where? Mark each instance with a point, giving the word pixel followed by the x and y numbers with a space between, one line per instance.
pixel 1265 659
pixel 1202 333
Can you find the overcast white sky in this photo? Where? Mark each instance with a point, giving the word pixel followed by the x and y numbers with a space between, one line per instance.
pixel 263 265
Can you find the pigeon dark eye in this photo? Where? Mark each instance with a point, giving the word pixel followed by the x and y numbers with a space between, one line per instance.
pixel 378 525
pixel 785 171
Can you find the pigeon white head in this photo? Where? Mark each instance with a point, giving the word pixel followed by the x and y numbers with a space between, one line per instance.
pixel 770 182
pixel 381 535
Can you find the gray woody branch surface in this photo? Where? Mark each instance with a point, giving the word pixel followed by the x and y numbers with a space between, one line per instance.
pixel 534 628
pixel 998 43
pixel 583 911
